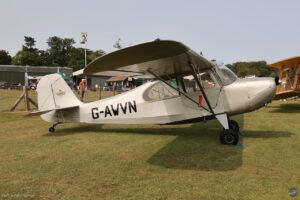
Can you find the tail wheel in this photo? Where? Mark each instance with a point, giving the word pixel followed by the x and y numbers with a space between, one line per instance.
pixel 51 129
pixel 229 137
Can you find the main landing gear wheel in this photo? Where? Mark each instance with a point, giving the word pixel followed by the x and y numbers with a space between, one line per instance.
pixel 234 125
pixel 229 137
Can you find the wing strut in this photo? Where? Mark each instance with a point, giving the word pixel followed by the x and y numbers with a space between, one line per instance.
pixel 159 78
pixel 201 88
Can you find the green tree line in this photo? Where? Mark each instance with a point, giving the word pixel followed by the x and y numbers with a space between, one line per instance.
pixel 60 52
pixel 257 68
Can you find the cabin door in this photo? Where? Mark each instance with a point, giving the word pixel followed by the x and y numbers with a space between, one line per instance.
pixel 210 85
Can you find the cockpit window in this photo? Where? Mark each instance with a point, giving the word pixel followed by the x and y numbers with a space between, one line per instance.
pixel 226 75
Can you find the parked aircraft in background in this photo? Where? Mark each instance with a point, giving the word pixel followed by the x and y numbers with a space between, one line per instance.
pixel 289 75
pixel 186 88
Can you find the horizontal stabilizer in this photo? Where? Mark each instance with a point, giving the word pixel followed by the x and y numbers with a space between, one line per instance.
pixel 46 111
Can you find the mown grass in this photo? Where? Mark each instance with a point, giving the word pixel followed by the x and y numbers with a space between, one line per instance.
pixel 149 162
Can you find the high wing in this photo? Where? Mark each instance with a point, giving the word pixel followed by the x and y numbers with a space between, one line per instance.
pixel 288 63
pixel 162 57
pixel 116 73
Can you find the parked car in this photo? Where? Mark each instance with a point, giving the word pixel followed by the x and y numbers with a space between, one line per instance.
pixel 4 85
pixel 106 88
pixel 16 86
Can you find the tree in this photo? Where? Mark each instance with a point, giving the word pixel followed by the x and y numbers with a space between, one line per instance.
pixel 29 44
pixel 45 58
pixel 27 58
pixel 28 55
pixel 95 54
pixel 257 68
pixel 77 59
pixel 60 50
pixel 5 58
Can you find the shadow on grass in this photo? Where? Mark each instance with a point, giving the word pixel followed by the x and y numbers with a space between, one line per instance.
pixel 75 130
pixel 200 150
pixel 287 108
pixel 171 130
pixel 175 130
pixel 266 134
pixel 196 147
pixel 203 151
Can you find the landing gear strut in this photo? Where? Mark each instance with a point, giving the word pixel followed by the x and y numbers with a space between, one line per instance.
pixel 230 136
pixel 52 128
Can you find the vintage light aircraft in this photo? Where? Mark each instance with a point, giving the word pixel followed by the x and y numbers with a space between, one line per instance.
pixel 289 78
pixel 186 88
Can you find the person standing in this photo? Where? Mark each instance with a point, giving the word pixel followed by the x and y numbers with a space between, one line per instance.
pixel 82 88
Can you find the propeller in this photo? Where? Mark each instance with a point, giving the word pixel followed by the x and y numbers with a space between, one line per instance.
pixel 277 80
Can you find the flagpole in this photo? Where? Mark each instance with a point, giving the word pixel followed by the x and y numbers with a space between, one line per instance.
pixel 83 40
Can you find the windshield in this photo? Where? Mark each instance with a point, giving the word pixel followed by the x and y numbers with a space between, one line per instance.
pixel 226 75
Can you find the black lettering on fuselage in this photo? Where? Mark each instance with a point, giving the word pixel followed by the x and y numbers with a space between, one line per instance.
pixel 132 106
pixel 95 114
pixel 124 109
pixel 107 111
pixel 115 110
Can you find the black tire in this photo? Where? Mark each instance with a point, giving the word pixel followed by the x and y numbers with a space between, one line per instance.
pixel 229 137
pixel 234 125
pixel 51 129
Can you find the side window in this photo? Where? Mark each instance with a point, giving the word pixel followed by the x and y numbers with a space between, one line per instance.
pixel 160 91
pixel 189 84
pixel 205 79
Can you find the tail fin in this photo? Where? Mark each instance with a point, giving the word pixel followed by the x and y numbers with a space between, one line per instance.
pixel 55 94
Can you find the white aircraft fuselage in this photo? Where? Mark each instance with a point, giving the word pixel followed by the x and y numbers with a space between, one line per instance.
pixel 134 107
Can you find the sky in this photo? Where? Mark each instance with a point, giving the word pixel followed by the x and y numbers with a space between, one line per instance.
pixel 225 30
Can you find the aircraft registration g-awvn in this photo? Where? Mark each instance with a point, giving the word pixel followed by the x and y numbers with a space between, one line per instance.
pixel 186 88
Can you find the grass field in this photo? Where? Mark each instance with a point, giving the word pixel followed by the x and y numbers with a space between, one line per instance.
pixel 149 162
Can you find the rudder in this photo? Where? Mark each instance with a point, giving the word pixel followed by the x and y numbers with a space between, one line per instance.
pixel 54 93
